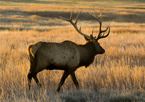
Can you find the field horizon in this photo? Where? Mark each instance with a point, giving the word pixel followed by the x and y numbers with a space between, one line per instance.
pixel 116 76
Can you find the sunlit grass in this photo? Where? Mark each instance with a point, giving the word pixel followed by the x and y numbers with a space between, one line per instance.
pixel 117 75
pixel 90 3
pixel 121 68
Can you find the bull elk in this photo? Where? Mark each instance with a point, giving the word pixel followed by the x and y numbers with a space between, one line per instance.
pixel 67 55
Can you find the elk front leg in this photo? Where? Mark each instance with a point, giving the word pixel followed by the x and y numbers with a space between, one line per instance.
pixel 64 76
pixel 73 77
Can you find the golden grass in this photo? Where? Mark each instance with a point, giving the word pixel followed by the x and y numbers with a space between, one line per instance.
pixel 17 16
pixel 121 68
pixel 117 75
pixel 100 3
pixel 35 17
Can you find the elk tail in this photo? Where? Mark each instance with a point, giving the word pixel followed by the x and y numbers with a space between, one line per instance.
pixel 31 56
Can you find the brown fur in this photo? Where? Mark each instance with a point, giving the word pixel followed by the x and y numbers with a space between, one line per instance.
pixel 67 56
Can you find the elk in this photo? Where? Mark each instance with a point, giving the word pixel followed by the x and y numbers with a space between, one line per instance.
pixel 67 55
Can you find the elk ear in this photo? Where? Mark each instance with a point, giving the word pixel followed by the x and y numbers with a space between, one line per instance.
pixel 86 38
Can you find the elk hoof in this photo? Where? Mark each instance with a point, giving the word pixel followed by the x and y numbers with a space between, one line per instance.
pixel 58 89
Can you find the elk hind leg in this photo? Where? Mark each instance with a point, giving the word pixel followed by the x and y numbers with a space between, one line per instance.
pixel 29 76
pixel 73 77
pixel 29 80
pixel 37 81
pixel 32 74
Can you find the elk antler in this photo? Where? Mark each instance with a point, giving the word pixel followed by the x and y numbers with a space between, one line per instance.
pixel 75 24
pixel 101 32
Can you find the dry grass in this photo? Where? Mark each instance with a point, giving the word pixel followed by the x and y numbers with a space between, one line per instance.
pixel 35 17
pixel 17 16
pixel 119 74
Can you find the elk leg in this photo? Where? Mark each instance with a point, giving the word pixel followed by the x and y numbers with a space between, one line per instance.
pixel 30 75
pixel 64 76
pixel 73 77
pixel 29 80
pixel 36 80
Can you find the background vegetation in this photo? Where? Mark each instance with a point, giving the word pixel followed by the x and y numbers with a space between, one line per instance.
pixel 117 75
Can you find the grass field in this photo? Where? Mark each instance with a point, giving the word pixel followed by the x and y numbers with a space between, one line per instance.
pixel 116 76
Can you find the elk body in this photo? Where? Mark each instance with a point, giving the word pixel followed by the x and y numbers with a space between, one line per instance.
pixel 67 56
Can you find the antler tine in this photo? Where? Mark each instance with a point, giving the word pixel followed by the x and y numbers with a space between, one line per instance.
pixel 77 17
pixel 80 27
pixel 95 17
pixel 102 36
pixel 106 28
pixel 100 21
pixel 101 14
pixel 71 15
pixel 64 18
pixel 70 20
pixel 75 24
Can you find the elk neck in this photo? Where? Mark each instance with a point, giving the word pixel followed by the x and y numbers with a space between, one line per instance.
pixel 87 54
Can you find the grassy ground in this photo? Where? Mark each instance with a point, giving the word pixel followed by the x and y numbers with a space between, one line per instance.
pixel 117 75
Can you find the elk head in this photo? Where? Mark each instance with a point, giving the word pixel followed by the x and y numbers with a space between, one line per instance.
pixel 91 38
